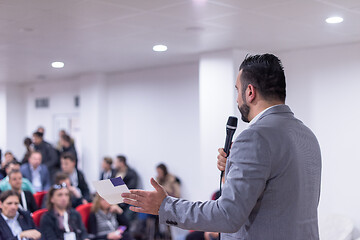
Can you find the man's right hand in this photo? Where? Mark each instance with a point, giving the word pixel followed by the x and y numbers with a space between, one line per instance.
pixel 32 233
pixel 222 157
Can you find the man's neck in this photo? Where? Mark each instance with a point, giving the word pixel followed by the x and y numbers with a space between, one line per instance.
pixel 261 106
pixel 34 167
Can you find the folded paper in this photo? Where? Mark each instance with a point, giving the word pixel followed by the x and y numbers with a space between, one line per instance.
pixel 111 189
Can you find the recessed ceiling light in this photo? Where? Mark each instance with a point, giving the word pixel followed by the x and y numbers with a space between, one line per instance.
pixel 334 20
pixel 160 48
pixel 57 64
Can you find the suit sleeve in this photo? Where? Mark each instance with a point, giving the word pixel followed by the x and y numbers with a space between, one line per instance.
pixel 46 179
pixel 47 227
pixel 83 186
pixel 31 202
pixel 248 169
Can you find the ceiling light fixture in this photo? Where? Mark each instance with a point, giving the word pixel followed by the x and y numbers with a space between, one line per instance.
pixel 333 20
pixel 160 48
pixel 57 64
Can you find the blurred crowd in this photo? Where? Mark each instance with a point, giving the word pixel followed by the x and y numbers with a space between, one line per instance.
pixel 45 195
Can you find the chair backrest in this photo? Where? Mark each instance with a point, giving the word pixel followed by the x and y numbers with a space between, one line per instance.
pixel 84 210
pixel 39 196
pixel 37 216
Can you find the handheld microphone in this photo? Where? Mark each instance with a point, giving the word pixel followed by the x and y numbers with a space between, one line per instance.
pixel 230 130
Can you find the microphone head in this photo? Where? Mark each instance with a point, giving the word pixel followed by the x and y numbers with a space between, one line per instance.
pixel 232 122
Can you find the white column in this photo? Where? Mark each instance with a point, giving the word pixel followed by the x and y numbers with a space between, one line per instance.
pixel 93 112
pixel 3 118
pixel 217 78
pixel 12 119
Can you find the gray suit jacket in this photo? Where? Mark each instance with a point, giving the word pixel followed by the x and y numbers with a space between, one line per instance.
pixel 271 189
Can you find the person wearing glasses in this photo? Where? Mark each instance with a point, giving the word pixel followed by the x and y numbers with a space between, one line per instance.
pixel 61 221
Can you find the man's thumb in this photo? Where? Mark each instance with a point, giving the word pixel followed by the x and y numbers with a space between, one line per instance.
pixel 156 185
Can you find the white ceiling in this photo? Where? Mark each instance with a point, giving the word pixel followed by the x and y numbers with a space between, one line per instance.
pixel 118 35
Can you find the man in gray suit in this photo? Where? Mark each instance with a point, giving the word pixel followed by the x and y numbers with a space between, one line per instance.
pixel 272 176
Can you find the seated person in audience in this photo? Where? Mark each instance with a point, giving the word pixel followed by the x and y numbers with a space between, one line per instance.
pixel 77 178
pixel 8 157
pixel 61 221
pixel 75 195
pixel 68 146
pixel 128 174
pixel 108 171
pixel 106 221
pixel 27 200
pixel 4 184
pixel 36 172
pixel 27 144
pixel 168 181
pixel 15 223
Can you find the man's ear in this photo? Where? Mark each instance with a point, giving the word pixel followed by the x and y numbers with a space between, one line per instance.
pixel 251 93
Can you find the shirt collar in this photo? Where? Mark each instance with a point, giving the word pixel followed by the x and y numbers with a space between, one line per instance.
pixel 32 168
pixel 254 120
pixel 10 219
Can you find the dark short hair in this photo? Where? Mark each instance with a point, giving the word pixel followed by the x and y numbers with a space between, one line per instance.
pixel 14 171
pixel 108 160
pixel 163 168
pixel 266 73
pixel 61 176
pixel 12 162
pixel 122 158
pixel 69 156
pixel 66 138
pixel 27 141
pixel 8 193
pixel 38 134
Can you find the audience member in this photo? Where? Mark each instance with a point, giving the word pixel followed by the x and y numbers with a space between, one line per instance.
pixel 15 223
pixel 49 155
pixel 68 147
pixel 27 200
pixel 4 184
pixel 168 181
pixel 58 144
pixel 128 174
pixel 61 221
pixel 8 157
pixel 107 170
pixel 27 144
pixel 75 194
pixel 36 172
pixel 106 221
pixel 77 178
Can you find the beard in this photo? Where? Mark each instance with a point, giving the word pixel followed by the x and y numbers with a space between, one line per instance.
pixel 244 110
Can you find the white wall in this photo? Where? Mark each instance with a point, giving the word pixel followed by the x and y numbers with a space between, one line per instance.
pixel 61 102
pixel 153 118
pixel 323 85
